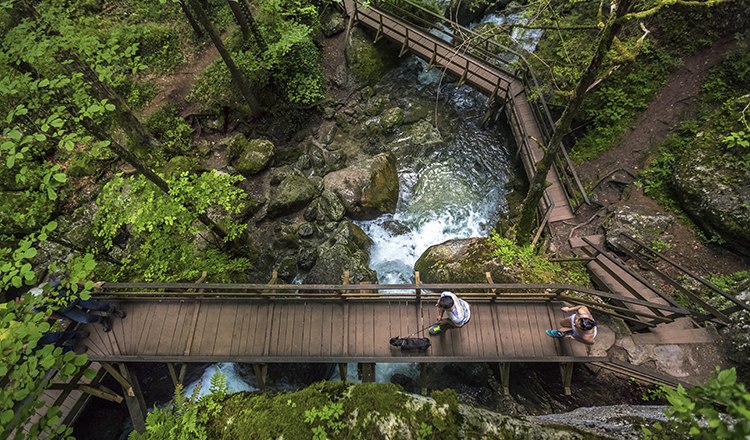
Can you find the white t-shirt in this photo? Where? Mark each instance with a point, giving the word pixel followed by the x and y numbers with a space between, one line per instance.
pixel 461 312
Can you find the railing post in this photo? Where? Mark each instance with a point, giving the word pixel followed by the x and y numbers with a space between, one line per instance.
pixel 491 283
pixel 433 58
pixel 405 44
pixel 345 282
pixel 418 281
pixel 379 33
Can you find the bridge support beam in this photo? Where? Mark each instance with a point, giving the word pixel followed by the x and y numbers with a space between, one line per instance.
pixel 423 379
pixel 261 374
pixel 501 370
pixel 134 398
pixel 366 372
pixel 343 371
pixel 566 369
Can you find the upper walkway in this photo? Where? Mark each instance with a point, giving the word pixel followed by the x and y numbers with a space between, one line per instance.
pixel 475 63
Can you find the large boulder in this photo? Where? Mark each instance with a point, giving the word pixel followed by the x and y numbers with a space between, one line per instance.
pixel 347 249
pixel 368 188
pixel 716 196
pixel 332 22
pixel 642 223
pixel 327 207
pixel 250 156
pixel 463 261
pixel 367 61
pixel 181 164
pixel 292 194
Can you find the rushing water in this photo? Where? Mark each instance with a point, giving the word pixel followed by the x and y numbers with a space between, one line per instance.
pixel 450 189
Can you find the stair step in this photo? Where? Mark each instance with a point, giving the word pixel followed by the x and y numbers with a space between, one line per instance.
pixel 577 242
pixel 676 336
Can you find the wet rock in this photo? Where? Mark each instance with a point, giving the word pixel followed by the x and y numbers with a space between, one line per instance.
pixel 306 258
pixel 305 230
pixel 367 61
pixel 347 250
pixel 250 156
pixel 462 261
pixel 327 207
pixel 292 194
pixel 422 133
pixel 392 118
pixel 287 268
pixel 332 22
pixel 716 196
pixel 736 335
pixel 407 383
pixel 280 173
pixel 619 421
pixel 368 188
pixel 395 227
pixel 646 225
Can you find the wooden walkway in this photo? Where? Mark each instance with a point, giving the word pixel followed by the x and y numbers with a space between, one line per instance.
pixel 283 331
pixel 489 79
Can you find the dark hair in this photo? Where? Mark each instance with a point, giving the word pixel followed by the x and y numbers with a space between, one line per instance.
pixel 587 324
pixel 445 302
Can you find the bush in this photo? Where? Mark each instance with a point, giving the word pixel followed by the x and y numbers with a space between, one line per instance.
pixel 171 129
pixel 159 44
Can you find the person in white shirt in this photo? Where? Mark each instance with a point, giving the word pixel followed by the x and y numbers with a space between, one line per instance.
pixel 459 313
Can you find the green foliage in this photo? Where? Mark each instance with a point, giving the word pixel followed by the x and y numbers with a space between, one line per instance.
pixel 533 267
pixel 325 420
pixel 164 229
pixel 729 283
pixel 720 409
pixel 186 418
pixel 736 139
pixel 158 44
pixel 171 129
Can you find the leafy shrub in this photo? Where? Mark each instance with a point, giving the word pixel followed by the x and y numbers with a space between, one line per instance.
pixel 159 44
pixel 171 129
pixel 719 409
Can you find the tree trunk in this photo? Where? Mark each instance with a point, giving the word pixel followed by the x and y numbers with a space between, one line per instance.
pixel 237 75
pixel 191 19
pixel 239 16
pixel 100 90
pixel 259 40
pixel 562 125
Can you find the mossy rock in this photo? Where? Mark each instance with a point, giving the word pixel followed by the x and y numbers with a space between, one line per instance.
pixel 715 195
pixel 182 164
pixel 462 261
pixel 347 249
pixel 367 61
pixel 292 194
pixel 250 156
pixel 392 118
pixel 332 22
pixel 367 188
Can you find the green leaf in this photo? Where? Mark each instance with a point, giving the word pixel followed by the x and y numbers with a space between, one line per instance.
pixel 47 362
pixel 29 253
pixel 51 194
pixel 10 160
pixel 109 107
pixel 57 123
pixel 60 177
pixel 15 135
pixel 6 416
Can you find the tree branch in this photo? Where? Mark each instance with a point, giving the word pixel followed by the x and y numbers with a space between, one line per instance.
pixel 667 3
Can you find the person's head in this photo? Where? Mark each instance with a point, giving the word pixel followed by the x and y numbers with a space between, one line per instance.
pixel 586 323
pixel 445 302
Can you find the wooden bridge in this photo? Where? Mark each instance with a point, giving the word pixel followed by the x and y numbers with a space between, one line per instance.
pixel 475 60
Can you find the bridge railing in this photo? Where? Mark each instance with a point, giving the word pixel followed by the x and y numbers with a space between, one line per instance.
pixel 486 48
pixel 604 302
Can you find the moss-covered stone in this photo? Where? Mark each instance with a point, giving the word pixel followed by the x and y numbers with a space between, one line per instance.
pixel 367 61
pixel 292 194
pixel 368 411
pixel 462 261
pixel 715 194
pixel 181 164
pixel 250 156
pixel 367 188
pixel 347 249
pixel 392 118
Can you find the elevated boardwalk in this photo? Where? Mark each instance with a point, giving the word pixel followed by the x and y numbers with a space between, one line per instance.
pixel 295 330
pixel 497 83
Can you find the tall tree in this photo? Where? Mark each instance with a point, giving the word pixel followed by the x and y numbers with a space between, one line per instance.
pixel 237 76
pixel 621 11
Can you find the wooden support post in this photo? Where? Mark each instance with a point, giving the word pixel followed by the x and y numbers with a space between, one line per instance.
pixel 136 404
pixel 433 58
pixel 261 374
pixel 366 372
pixel 492 288
pixel 405 44
pixel 101 392
pixel 418 281
pixel 344 371
pixel 183 370
pixel 379 33
pixel 173 374
pixel 423 378
pixel 345 282
pixel 566 369
pixel 126 386
pixel 505 377
pixel 462 80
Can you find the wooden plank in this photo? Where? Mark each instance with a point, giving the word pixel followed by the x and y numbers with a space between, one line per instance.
pixel 239 325
pixel 183 327
pixel 144 325
pixel 226 329
pixel 198 329
pixel 167 340
pixel 534 339
pixel 286 324
pixel 266 326
pixel 154 333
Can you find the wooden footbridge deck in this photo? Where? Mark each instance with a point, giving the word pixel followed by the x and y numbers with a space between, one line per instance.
pixel 477 64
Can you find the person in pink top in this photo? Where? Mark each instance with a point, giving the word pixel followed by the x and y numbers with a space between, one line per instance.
pixel 580 326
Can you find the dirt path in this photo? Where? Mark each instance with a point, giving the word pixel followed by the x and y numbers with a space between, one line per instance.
pixel 174 87
pixel 619 166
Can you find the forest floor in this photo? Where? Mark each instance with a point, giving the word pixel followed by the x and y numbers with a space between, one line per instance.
pixel 617 169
